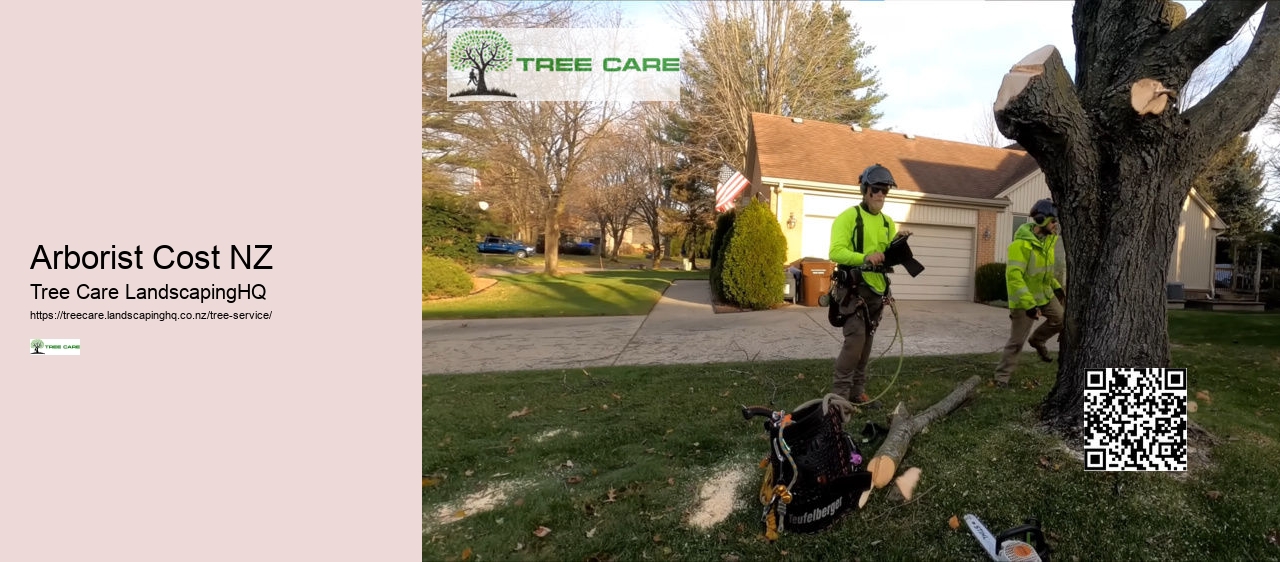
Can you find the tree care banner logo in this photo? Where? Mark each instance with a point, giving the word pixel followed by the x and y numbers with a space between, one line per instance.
pixel 54 347
pixel 580 64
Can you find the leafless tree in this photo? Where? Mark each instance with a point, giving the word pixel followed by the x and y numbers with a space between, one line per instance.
pixel 986 133
pixel 1119 151
pixel 788 57
pixel 617 173
pixel 446 124
pixel 546 144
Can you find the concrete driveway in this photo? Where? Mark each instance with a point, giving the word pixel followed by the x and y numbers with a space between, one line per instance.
pixel 683 329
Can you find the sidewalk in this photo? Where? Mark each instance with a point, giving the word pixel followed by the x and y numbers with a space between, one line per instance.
pixel 683 329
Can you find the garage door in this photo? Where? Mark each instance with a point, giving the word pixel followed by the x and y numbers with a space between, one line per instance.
pixel 947 255
pixel 945 251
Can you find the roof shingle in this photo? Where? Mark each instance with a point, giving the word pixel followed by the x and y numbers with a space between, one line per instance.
pixel 834 153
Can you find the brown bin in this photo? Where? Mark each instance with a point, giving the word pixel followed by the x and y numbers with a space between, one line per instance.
pixel 815 279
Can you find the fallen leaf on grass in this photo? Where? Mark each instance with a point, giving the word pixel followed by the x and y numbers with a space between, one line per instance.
pixel 466 553
pixel 459 514
pixel 657 538
pixel 713 409
pixel 612 496
pixel 574 480
pixel 724 394
pixel 954 522
pixel 584 408
pixel 1044 462
pixel 1213 495
pixel 671 481
pixel 1192 406
pixel 519 546
pixel 615 396
pixel 519 413
pixel 1273 537
pixel 429 481
pixel 591 533
pixel 541 532
pixel 469 472
pixel 567 464
pixel 519 502
pixel 1203 396
pixel 800 376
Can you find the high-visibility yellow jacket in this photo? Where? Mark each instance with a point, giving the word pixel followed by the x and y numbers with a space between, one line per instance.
pixel 877 231
pixel 1028 273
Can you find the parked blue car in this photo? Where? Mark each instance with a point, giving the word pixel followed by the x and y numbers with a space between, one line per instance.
pixel 496 245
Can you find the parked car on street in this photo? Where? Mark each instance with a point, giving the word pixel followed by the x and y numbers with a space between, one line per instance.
pixel 496 245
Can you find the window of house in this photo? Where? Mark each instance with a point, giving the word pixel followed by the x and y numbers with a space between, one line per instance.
pixel 1018 221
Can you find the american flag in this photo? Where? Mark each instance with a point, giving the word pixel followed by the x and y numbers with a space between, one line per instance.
pixel 732 182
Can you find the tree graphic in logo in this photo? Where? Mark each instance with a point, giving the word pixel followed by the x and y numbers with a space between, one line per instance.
pixel 36 345
pixel 480 51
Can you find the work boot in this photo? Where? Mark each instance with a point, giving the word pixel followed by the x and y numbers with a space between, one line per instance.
pixel 862 400
pixel 1043 352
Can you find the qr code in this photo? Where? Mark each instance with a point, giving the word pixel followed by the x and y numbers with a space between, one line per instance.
pixel 1135 419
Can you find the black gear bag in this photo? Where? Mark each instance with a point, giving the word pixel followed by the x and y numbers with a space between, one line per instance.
pixel 814 472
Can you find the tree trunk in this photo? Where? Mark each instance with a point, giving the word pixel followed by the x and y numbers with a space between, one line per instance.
pixel 617 234
pixel 1119 150
pixel 1118 318
pixel 480 85
pixel 551 236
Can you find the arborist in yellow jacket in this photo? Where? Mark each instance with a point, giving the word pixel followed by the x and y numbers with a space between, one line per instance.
pixel 860 236
pixel 1032 288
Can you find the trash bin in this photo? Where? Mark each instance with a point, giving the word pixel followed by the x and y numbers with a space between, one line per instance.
pixel 816 279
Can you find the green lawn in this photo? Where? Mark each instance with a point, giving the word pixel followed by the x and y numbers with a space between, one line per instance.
pixel 600 293
pixel 612 462
pixel 576 261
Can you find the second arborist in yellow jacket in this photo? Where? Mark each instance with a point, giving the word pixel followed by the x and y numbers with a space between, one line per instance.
pixel 1034 292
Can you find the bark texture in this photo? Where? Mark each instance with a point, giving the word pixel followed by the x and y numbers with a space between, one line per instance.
pixel 1119 176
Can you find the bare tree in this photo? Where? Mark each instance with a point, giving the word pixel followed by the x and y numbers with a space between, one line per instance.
pixel 446 124
pixel 787 57
pixel 547 144
pixel 986 133
pixel 1119 151
pixel 613 199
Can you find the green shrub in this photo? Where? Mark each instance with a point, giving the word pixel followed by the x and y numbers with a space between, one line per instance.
pixel 989 283
pixel 752 273
pixel 443 278
pixel 450 227
pixel 724 229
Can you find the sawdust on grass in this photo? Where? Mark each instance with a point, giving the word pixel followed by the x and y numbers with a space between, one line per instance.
pixel 489 498
pixel 717 498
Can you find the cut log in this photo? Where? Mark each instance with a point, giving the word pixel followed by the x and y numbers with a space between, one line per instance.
pixel 902 427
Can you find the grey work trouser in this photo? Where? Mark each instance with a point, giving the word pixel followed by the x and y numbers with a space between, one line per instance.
pixel 1021 326
pixel 850 378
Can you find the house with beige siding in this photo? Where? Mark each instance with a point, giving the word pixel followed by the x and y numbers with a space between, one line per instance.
pixel 961 201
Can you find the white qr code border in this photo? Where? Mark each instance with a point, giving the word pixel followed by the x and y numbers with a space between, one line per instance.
pixel 1135 419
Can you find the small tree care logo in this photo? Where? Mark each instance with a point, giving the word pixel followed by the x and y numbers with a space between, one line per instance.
pixel 54 347
pixel 480 51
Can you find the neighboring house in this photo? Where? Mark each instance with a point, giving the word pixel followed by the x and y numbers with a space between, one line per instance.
pixel 961 201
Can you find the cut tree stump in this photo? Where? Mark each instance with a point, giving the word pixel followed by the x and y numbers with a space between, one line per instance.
pixel 903 426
